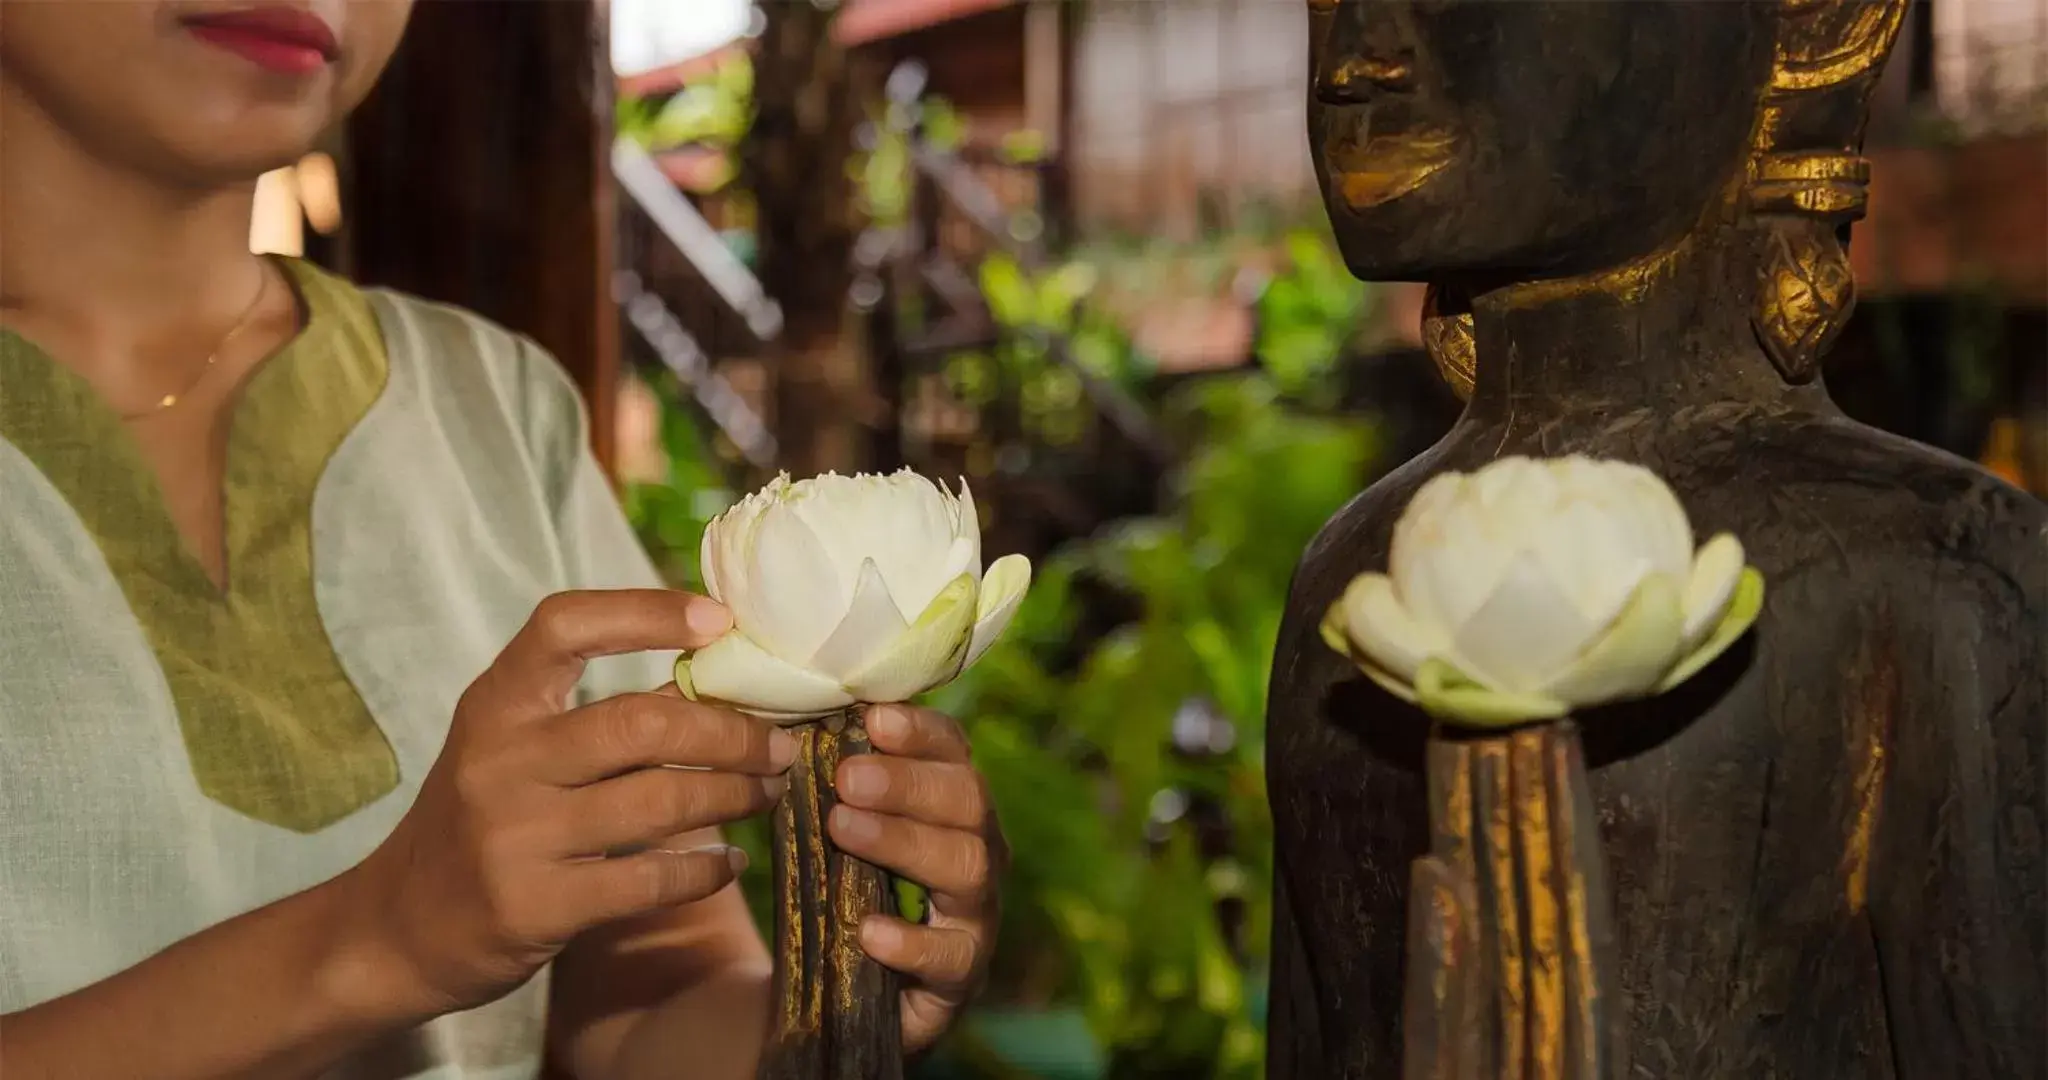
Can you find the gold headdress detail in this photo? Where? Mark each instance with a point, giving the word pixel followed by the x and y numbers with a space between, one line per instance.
pixel 1807 176
pixel 1806 179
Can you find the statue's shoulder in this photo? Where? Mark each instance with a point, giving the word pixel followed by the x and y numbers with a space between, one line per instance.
pixel 1867 494
pixel 1355 540
pixel 1357 536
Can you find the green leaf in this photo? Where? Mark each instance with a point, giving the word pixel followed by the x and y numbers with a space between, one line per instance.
pixel 1008 293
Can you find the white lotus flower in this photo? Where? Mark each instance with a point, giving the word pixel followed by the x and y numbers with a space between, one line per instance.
pixel 845 590
pixel 1532 588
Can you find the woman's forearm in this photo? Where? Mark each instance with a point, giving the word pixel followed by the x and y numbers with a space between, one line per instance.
pixel 717 1027
pixel 283 991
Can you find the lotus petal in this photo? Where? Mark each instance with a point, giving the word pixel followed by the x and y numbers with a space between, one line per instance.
pixel 1382 630
pixel 1743 608
pixel 707 564
pixel 1594 553
pixel 1709 587
pixel 1629 656
pixel 870 624
pixel 728 538
pixel 1526 633
pixel 1447 693
pixel 929 652
pixel 902 521
pixel 1332 631
pixel 968 527
pixel 794 596
pixel 1002 592
pixel 735 671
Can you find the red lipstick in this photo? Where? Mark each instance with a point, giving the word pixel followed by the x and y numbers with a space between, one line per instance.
pixel 287 40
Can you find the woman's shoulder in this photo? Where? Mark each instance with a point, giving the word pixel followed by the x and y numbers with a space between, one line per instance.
pixel 455 345
pixel 468 374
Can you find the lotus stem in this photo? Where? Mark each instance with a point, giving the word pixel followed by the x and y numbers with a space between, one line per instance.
pixel 836 1011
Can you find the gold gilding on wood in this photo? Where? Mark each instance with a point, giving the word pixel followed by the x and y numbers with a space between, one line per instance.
pixel 1824 185
pixel 1508 917
pixel 1546 962
pixel 1804 297
pixel 1447 338
pixel 1804 293
pixel 1578 852
pixel 1825 43
pixel 835 1013
pixel 1499 879
pixel 1873 706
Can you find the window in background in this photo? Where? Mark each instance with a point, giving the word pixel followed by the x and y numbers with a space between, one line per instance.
pixel 1991 63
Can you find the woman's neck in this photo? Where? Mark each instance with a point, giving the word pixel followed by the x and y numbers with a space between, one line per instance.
pixel 1665 332
pixel 109 257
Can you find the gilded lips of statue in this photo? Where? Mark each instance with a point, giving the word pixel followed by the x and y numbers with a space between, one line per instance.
pixel 1383 168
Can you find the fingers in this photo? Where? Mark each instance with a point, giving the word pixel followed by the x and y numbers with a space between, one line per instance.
pixel 639 731
pixel 652 804
pixel 955 865
pixel 632 885
pixel 543 661
pixel 943 959
pixel 943 794
pixel 913 732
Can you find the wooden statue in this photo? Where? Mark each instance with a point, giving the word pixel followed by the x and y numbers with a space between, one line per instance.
pixel 1824 855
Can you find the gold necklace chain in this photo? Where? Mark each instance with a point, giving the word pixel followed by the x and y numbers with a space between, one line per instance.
pixel 169 400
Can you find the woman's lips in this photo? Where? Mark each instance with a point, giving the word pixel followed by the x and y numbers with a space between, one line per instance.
pixel 1383 168
pixel 287 40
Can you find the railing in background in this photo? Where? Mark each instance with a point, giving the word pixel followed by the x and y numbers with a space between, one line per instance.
pixel 677 224
pixel 684 227
pixel 917 287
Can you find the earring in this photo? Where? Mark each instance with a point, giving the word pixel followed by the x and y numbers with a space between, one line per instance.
pixel 1447 338
pixel 1804 299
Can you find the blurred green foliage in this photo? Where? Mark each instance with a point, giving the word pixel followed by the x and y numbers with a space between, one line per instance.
pixel 1120 722
pixel 1310 315
pixel 1122 900
pixel 714 110
pixel 883 174
pixel 1046 397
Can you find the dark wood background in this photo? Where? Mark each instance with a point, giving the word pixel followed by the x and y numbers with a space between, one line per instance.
pixel 478 173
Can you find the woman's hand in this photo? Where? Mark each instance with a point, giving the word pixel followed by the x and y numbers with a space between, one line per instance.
pixel 536 824
pixel 920 810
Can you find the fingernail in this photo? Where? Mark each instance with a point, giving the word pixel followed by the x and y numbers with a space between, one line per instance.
pixel 863 781
pixel 880 934
pixel 781 748
pixel 709 618
pixel 734 857
pixel 857 826
pixel 774 786
pixel 889 720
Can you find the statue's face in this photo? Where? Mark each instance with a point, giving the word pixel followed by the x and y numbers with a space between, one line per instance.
pixel 1509 139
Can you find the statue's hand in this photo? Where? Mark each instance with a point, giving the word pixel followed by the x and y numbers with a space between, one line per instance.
pixel 1509 938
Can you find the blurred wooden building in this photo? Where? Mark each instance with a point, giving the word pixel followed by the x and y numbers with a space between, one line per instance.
pixel 481 170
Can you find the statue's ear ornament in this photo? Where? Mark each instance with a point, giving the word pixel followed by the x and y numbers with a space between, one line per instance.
pixel 1804 180
pixel 1805 177
pixel 1447 338
pixel 1805 292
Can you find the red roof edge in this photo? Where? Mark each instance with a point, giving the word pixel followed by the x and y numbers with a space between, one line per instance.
pixel 673 77
pixel 864 21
